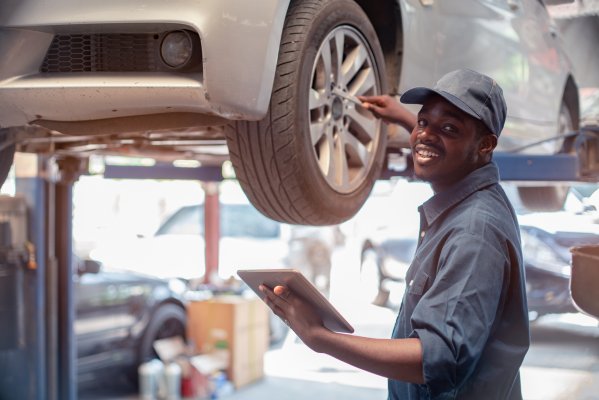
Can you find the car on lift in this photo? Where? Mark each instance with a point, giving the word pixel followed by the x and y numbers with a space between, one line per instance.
pixel 268 84
pixel 118 316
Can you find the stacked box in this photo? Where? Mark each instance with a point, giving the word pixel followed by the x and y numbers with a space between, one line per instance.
pixel 233 323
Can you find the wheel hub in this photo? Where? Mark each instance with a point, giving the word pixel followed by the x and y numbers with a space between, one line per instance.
pixel 337 108
pixel 345 137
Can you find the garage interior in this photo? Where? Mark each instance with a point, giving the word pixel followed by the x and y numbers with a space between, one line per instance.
pixel 242 352
pixel 38 352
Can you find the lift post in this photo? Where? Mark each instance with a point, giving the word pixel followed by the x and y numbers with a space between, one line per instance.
pixel 209 176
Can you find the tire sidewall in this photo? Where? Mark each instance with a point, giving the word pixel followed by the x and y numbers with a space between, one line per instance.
pixel 332 15
pixel 6 159
pixel 162 314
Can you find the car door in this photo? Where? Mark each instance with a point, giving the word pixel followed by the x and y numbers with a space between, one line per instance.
pixel 505 39
pixel 107 307
pixel 481 34
pixel 547 66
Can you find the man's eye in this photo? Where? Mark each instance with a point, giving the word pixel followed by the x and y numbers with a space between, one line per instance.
pixel 449 129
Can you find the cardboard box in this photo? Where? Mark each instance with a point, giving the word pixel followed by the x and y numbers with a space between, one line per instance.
pixel 234 323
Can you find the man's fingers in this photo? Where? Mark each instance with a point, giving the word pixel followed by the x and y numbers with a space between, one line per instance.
pixel 272 297
pixel 282 291
pixel 275 298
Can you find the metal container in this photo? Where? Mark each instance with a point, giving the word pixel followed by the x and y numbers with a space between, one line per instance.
pixel 151 376
pixel 172 375
pixel 585 279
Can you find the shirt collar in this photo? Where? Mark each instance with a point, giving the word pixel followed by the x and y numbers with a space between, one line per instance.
pixel 478 179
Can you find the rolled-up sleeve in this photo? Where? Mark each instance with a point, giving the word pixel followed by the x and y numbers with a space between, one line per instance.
pixel 454 316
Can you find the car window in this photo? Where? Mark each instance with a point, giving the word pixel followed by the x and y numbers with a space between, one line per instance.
pixel 236 220
pixel 242 220
pixel 188 220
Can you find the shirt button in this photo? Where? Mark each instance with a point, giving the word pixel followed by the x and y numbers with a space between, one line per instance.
pixel 422 235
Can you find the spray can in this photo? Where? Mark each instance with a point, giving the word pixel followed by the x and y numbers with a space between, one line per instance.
pixel 172 374
pixel 151 375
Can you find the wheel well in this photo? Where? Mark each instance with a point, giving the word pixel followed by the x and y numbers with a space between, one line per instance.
pixel 571 98
pixel 172 301
pixel 385 16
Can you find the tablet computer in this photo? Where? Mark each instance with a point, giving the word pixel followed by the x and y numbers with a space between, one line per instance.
pixel 300 286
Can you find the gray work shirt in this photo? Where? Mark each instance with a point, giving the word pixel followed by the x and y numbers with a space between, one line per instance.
pixel 465 296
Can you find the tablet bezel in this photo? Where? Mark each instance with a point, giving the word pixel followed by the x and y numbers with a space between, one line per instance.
pixel 297 282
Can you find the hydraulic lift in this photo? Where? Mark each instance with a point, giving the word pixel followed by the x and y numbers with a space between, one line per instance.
pixel 582 165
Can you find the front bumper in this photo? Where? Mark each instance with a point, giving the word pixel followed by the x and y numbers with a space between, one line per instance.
pixel 239 40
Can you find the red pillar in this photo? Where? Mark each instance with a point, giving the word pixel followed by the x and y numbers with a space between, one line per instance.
pixel 211 229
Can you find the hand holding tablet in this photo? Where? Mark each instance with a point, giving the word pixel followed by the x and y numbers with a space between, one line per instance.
pixel 301 287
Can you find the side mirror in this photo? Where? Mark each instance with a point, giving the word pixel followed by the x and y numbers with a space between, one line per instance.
pixel 89 267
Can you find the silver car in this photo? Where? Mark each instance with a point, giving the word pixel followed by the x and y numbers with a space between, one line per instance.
pixel 271 79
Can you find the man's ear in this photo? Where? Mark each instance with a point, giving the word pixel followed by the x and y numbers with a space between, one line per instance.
pixel 487 144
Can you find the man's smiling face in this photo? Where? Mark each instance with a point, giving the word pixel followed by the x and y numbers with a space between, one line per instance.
pixel 446 145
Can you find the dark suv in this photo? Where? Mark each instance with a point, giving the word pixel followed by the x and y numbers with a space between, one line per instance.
pixel 119 314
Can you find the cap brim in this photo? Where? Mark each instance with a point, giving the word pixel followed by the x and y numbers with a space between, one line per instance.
pixel 419 95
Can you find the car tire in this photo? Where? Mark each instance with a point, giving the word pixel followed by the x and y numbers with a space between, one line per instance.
pixel 371 285
pixel 552 198
pixel 315 156
pixel 7 155
pixel 169 320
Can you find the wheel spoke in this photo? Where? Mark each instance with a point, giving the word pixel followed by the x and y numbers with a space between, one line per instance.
pixel 339 45
pixel 341 168
pixel 317 99
pixel 365 127
pixel 364 83
pixel 327 65
pixel 353 63
pixel 355 151
pixel 325 151
pixel 317 131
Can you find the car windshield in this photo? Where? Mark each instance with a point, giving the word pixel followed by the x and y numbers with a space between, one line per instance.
pixel 236 220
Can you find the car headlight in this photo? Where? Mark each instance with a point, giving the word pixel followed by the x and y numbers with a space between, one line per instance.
pixel 176 49
pixel 177 286
pixel 541 255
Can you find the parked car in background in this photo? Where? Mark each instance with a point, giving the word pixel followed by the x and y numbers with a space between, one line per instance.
pixel 269 86
pixel 247 240
pixel 119 315
pixel 546 242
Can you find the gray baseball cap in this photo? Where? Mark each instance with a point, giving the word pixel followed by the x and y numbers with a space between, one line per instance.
pixel 474 93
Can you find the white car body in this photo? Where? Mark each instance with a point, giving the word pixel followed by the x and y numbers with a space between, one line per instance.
pixel 240 41
pixel 164 112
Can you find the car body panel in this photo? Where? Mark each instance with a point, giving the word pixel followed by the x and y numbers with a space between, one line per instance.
pixel 515 46
pixel 223 89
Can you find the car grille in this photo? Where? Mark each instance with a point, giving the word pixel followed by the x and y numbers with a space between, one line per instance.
pixel 131 52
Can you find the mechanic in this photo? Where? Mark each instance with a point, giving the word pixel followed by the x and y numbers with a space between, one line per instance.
pixel 462 330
